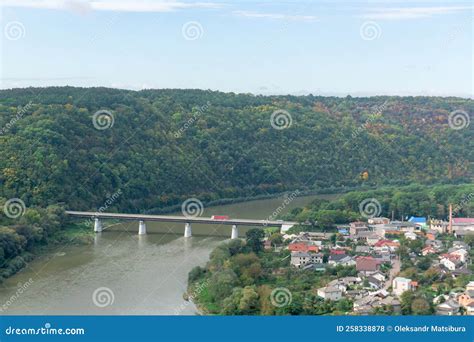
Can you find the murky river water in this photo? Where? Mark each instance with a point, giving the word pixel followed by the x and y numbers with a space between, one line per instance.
pixel 123 273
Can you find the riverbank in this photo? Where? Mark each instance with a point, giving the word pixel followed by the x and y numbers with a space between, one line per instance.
pixel 72 234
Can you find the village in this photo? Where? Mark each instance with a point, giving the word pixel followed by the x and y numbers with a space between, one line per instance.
pixel 392 260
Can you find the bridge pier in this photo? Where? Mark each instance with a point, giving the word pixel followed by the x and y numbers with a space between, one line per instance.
pixel 97 225
pixel 235 232
pixel 187 230
pixel 141 228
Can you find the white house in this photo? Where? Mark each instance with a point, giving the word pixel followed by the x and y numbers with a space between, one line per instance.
pixel 378 220
pixel 400 285
pixel 330 293
pixel 450 263
pixel 378 275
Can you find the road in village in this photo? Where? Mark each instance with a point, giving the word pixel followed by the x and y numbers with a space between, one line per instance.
pixel 393 272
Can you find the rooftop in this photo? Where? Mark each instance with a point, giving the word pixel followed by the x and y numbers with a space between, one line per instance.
pixel 415 219
pixel 465 220
pixel 330 289
pixel 401 279
pixel 305 254
pixel 337 257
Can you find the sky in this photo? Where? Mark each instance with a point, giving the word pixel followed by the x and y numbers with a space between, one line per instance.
pixel 263 47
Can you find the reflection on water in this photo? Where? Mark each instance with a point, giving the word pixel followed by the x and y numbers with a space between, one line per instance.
pixel 129 274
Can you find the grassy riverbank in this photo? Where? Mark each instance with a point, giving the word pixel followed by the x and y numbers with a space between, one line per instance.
pixel 75 233
pixel 72 234
pixel 36 231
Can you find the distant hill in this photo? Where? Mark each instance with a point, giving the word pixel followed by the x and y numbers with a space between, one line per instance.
pixel 168 145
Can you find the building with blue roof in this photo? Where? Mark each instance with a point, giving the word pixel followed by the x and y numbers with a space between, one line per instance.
pixel 419 221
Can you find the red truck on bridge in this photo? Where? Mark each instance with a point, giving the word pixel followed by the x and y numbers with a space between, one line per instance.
pixel 220 217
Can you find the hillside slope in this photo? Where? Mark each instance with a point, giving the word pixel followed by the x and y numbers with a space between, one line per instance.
pixel 167 145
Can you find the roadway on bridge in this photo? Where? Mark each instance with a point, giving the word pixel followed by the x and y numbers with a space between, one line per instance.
pixel 184 219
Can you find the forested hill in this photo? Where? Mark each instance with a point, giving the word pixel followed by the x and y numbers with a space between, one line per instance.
pixel 168 145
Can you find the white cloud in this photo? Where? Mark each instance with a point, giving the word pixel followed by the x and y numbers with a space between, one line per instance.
pixel 404 13
pixel 277 16
pixel 109 5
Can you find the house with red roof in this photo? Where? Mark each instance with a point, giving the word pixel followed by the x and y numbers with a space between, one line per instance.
pixel 367 264
pixel 337 251
pixel 390 245
pixel 428 250
pixel 302 247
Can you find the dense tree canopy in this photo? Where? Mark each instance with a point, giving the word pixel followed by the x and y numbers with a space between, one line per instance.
pixel 19 237
pixel 167 145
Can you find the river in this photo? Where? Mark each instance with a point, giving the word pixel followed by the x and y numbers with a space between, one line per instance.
pixel 122 273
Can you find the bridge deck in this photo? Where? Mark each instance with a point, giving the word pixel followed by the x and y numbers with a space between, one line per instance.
pixel 170 218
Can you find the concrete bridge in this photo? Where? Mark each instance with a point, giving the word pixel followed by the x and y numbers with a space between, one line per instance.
pixel 142 219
